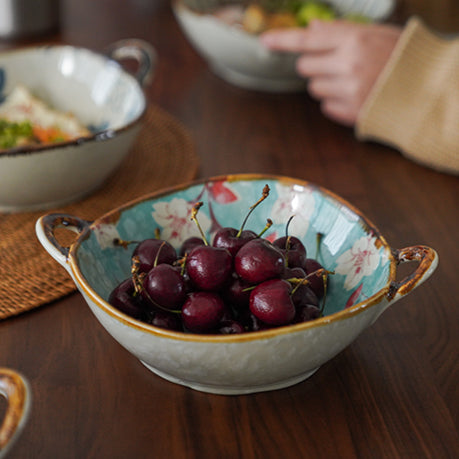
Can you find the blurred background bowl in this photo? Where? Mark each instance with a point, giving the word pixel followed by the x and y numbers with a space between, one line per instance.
pixel 100 93
pixel 213 28
pixel 363 286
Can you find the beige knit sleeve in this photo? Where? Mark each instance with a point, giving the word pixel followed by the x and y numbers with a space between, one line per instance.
pixel 414 105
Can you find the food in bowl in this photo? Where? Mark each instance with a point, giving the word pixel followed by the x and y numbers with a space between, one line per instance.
pixel 216 30
pixel 258 17
pixel 364 285
pixel 241 282
pixel 27 120
pixel 95 88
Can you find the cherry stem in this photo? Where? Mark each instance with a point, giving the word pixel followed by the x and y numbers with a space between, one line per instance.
pixel 157 254
pixel 319 237
pixel 288 224
pixel 157 233
pixel 269 223
pixel 287 248
pixel 264 195
pixel 325 281
pixel 122 243
pixel 194 213
pixel 304 281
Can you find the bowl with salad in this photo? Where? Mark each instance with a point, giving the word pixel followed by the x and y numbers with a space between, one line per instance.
pixel 68 118
pixel 226 34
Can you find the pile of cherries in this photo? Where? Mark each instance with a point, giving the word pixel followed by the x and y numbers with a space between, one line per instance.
pixel 239 283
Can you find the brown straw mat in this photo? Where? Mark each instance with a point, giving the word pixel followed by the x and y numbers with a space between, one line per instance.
pixel 163 155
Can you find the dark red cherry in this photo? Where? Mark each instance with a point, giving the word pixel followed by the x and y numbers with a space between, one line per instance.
pixel 258 260
pixel 315 282
pixel 293 249
pixel 165 286
pixel 124 299
pixel 168 321
pixel 229 238
pixel 147 250
pixel 271 302
pixel 230 327
pixel 189 244
pixel 237 294
pixel 209 267
pixel 301 294
pixel 202 312
pixel 306 312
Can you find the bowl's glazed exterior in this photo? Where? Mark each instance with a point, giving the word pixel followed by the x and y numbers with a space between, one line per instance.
pixel 100 93
pixel 362 287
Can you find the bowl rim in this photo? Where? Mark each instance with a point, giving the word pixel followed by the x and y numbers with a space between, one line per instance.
pixel 106 134
pixel 114 214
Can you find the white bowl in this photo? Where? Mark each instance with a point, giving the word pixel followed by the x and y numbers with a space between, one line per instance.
pixel 240 59
pixel 102 95
pixel 363 286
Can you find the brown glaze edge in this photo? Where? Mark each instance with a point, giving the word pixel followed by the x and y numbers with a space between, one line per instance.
pixel 14 388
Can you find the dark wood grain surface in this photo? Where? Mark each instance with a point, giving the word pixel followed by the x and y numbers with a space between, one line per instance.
pixel 393 393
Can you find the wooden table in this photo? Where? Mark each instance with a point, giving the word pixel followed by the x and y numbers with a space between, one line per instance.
pixel 392 393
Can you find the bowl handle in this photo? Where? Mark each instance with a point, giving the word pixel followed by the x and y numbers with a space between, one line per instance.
pixel 15 389
pixel 47 224
pixel 141 52
pixel 428 261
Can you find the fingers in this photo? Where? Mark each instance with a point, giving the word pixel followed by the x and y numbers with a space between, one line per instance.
pixel 300 40
pixel 340 111
pixel 319 36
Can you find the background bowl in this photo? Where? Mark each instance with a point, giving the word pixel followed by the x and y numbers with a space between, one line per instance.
pixel 239 58
pixel 363 286
pixel 102 95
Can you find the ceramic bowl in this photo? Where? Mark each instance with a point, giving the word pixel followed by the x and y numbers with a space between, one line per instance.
pixel 239 58
pixel 103 96
pixel 15 388
pixel 363 286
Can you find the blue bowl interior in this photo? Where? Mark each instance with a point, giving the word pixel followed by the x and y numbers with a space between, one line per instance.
pixel 91 86
pixel 350 246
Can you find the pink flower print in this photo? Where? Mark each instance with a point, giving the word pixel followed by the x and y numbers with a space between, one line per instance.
pixel 222 193
pixel 353 298
pixel 105 234
pixel 175 219
pixel 296 203
pixel 359 261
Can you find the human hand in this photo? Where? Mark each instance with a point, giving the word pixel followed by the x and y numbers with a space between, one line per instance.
pixel 341 60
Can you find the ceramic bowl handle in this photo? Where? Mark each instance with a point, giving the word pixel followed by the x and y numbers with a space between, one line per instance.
pixel 45 229
pixel 141 52
pixel 428 261
pixel 15 389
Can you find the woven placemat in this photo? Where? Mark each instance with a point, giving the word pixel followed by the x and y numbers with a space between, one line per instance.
pixel 163 155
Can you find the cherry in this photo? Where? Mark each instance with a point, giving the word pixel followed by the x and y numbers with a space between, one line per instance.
pixel 258 260
pixel 271 302
pixel 166 320
pixel 302 293
pixel 293 249
pixel 124 298
pixel 316 282
pixel 209 267
pixel 189 244
pixel 232 239
pixel 237 294
pixel 202 311
pixel 306 313
pixel 229 327
pixel 165 286
pixel 147 253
